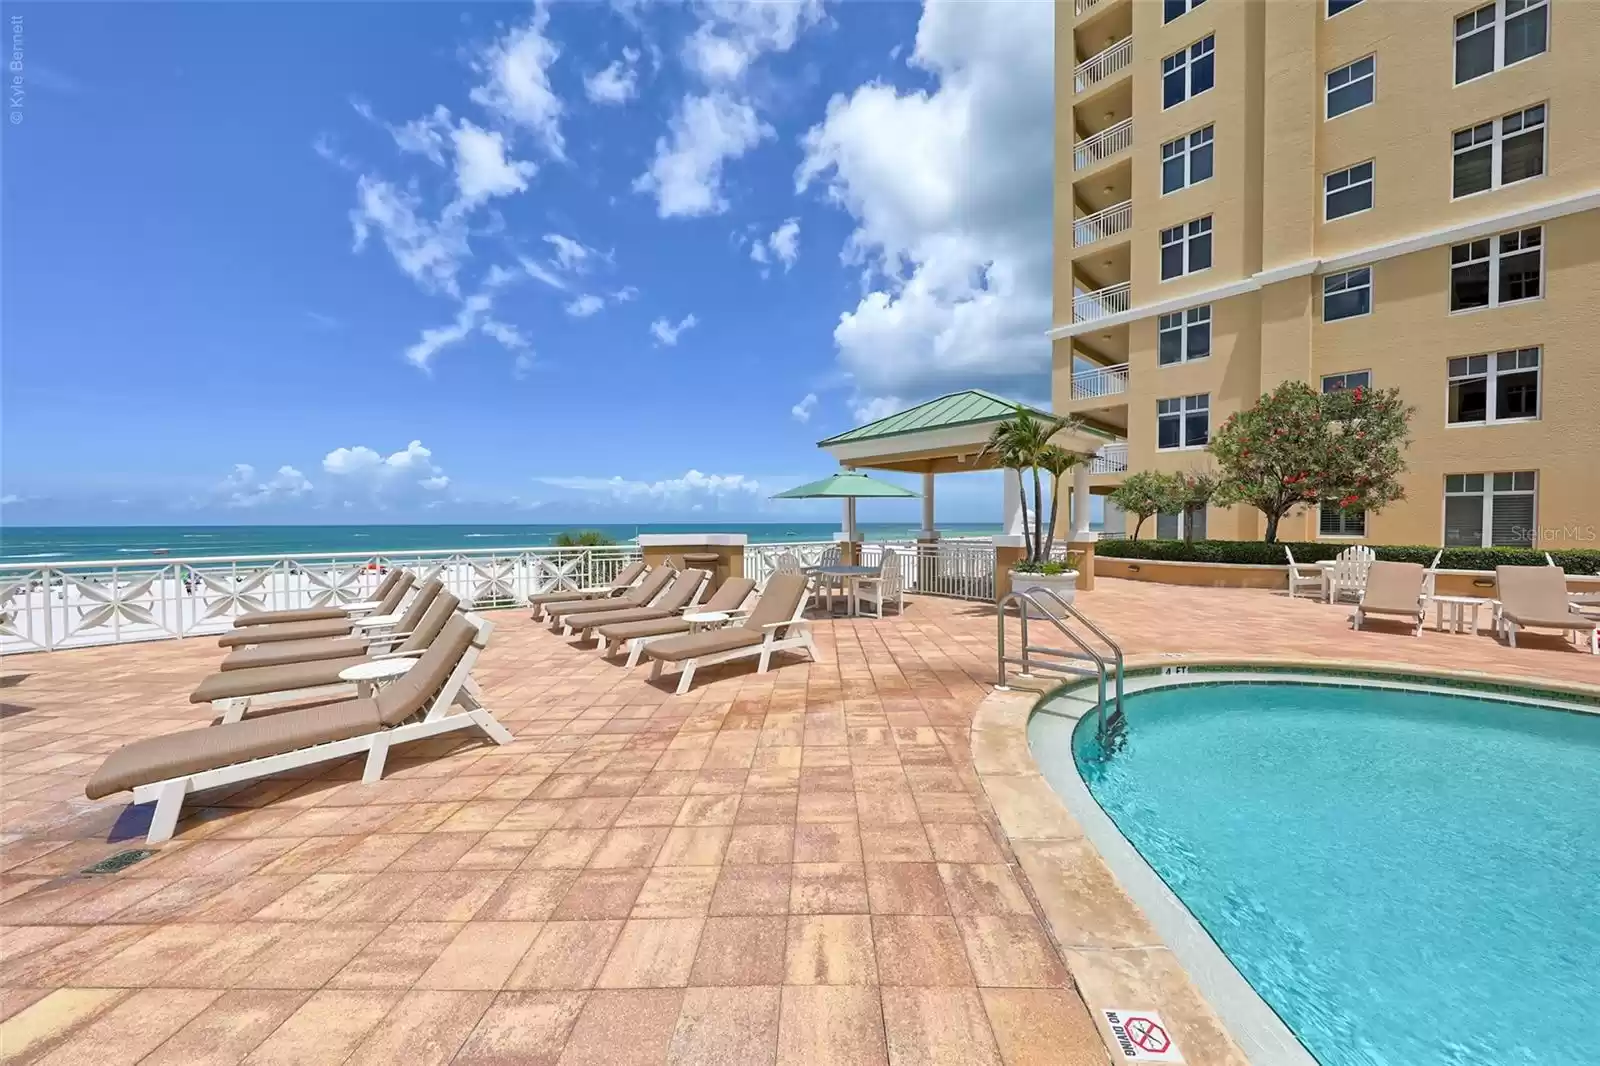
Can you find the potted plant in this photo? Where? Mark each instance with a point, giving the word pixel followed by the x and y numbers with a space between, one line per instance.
pixel 1022 443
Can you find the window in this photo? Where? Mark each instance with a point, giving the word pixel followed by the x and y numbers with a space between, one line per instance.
pixel 1500 34
pixel 1176 8
pixel 1183 422
pixel 1347 294
pixel 1336 6
pixel 1502 387
pixel 1351 87
pixel 1170 526
pixel 1186 248
pixel 1188 72
pixel 1183 336
pixel 1489 510
pixel 1354 379
pixel 1491 271
pixel 1186 161
pixel 1332 522
pixel 1492 154
pixel 1347 191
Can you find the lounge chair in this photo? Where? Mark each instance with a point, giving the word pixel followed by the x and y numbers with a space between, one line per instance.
pixel 1393 590
pixel 1535 597
pixel 640 595
pixel 378 603
pixel 620 584
pixel 234 693
pixel 1303 576
pixel 728 599
pixel 320 627
pixel 775 623
pixel 279 652
pixel 432 699
pixel 680 596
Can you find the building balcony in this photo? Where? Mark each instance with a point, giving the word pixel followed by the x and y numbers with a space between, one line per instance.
pixel 1118 218
pixel 1103 145
pixel 1102 303
pixel 1099 382
pixel 1112 60
pixel 1081 8
pixel 1112 459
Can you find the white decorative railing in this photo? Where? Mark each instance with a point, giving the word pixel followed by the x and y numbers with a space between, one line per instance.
pixel 1100 67
pixel 1112 459
pixel 959 568
pixel 1102 224
pixel 1101 381
pixel 1101 303
pixel 1081 7
pixel 1103 145
pixel 77 605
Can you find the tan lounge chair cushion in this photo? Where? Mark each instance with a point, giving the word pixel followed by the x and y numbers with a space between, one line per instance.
pixel 729 595
pixel 694 645
pixel 281 652
pixel 308 614
pixel 410 694
pixel 1394 588
pixel 434 619
pixel 655 627
pixel 1536 596
pixel 332 627
pixel 193 750
pixel 638 596
pixel 230 684
pixel 626 614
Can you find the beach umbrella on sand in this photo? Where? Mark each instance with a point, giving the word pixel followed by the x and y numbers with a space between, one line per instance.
pixel 849 487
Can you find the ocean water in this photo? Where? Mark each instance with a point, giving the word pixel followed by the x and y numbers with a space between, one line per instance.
pixel 1407 878
pixel 63 544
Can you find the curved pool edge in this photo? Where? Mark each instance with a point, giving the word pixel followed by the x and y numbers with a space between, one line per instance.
pixel 1128 941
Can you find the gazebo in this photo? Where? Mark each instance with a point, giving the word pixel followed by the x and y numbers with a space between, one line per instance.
pixel 946 436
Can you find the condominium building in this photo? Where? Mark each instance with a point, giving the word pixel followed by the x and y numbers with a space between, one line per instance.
pixel 1391 193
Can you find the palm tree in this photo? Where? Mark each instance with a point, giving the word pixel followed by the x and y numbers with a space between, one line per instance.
pixel 1056 461
pixel 1018 444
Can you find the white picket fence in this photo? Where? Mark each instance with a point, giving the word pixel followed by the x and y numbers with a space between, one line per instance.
pixel 84 604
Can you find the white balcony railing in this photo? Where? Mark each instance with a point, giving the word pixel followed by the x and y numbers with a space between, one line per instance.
pixel 1097 69
pixel 1083 7
pixel 1112 459
pixel 1111 300
pixel 1103 145
pixel 1101 381
pixel 1102 224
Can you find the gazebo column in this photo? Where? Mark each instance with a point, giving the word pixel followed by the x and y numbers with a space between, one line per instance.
pixel 1014 524
pixel 927 539
pixel 1083 540
pixel 927 532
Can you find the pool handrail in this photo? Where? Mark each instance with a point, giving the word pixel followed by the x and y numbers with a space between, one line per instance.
pixel 1023 600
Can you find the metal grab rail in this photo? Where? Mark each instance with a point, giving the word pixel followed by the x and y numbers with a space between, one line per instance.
pixel 1025 660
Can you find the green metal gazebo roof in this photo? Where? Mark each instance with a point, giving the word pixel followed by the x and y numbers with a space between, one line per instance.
pixel 846 485
pixel 969 407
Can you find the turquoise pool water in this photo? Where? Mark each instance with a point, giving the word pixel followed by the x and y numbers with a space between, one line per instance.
pixel 1407 878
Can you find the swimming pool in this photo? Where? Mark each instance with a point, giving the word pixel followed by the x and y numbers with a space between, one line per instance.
pixel 1404 876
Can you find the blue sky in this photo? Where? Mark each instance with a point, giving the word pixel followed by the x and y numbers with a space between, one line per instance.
pixel 434 262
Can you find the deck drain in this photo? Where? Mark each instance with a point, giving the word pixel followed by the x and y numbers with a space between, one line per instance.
pixel 119 862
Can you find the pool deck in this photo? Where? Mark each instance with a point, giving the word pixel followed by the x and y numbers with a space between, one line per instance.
pixel 796 867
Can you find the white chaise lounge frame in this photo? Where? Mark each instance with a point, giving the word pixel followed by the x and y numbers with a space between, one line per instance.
pixel 799 636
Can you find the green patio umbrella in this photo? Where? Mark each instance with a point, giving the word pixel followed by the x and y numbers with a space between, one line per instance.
pixel 848 486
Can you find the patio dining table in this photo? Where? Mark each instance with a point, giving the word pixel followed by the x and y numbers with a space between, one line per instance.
pixel 844 575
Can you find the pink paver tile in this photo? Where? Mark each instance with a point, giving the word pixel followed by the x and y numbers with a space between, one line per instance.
pixel 830 949
pixel 652 953
pixel 1011 951
pixel 326 1029
pixel 632 1027
pixel 741 951
pixel 481 957
pixel 566 955
pixel 828 888
pixel 229 1029
pixel 131 1029
pixel 726 1027
pixel 938 1027
pixel 916 949
pixel 676 892
pixel 522 1029
pixel 425 1028
pixel 396 957
pixel 838 1024
pixel 906 888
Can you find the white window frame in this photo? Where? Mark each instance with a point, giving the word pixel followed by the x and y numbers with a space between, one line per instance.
pixel 1183 522
pixel 1185 320
pixel 1490 378
pixel 1328 12
pixel 1185 146
pixel 1328 87
pixel 1182 414
pixel 1346 276
pixel 1344 520
pixel 1371 181
pixel 1188 6
pixel 1487 492
pixel 1188 232
pixel 1345 387
pixel 1185 57
pixel 1495 255
pixel 1498 28
pixel 1496 137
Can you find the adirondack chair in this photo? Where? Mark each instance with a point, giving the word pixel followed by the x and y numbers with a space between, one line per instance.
pixel 1349 576
pixel 887 587
pixel 1303 576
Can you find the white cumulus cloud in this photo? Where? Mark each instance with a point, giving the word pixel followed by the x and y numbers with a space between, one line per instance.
pixel 871 409
pixel 802 411
pixel 244 489
pixel 517 86
pixel 666 333
pixel 483 169
pixel 951 194
pixel 366 468
pixel 783 245
pixel 676 491
pixel 617 83
pixel 735 33
pixel 585 305
pixel 685 176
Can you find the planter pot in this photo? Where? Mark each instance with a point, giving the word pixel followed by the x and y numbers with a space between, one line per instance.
pixel 1064 584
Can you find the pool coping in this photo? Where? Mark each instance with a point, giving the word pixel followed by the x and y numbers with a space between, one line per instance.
pixel 1076 863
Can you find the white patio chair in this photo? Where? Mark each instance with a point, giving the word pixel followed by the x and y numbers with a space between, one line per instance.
pixel 887 586
pixel 1350 572
pixel 825 585
pixel 1303 576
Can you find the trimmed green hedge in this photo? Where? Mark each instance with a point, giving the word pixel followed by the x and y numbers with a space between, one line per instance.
pixel 1572 560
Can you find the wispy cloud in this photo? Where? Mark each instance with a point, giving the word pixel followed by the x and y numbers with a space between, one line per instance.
pixel 586 305
pixel 617 83
pixel 517 86
pixel 666 333
pixel 802 411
